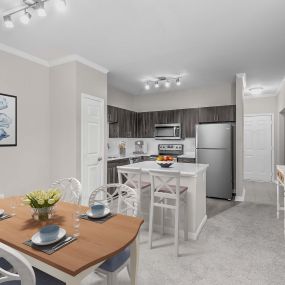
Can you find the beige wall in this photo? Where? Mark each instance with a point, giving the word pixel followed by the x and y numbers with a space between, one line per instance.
pixel 68 83
pixel 63 121
pixel 91 82
pixel 214 96
pixel 121 99
pixel 27 166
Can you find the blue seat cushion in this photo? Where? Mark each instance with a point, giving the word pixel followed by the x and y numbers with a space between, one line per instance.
pixel 5 264
pixel 116 261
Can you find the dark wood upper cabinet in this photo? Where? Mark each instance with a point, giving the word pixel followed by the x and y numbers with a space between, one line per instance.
pixel 217 114
pixel 112 114
pixel 190 119
pixel 226 113
pixel 145 124
pixel 128 124
pixel 207 114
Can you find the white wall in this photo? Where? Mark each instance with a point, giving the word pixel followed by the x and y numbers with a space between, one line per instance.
pixel 214 96
pixel 281 124
pixel 240 88
pixel 27 166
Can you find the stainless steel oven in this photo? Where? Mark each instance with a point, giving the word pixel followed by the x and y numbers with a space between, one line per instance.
pixel 167 132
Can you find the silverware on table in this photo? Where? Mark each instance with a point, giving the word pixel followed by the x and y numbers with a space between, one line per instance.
pixel 62 243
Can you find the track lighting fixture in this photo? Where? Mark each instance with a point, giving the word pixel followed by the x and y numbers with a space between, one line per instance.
pixel 25 18
pixel 28 7
pixel 156 83
pixel 8 23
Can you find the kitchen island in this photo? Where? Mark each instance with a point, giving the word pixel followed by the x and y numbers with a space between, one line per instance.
pixel 193 176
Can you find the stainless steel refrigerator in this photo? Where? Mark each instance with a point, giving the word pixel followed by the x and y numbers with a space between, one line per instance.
pixel 214 147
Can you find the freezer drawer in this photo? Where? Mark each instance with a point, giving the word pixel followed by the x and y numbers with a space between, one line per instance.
pixel 219 173
pixel 213 136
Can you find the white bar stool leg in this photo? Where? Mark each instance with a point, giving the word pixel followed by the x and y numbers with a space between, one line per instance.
pixel 278 195
pixel 150 222
pixel 284 207
pixel 176 234
pixel 185 217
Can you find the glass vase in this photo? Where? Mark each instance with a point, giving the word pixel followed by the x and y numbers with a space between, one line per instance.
pixel 43 214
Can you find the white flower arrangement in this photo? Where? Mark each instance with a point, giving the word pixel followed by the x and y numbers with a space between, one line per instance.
pixel 42 198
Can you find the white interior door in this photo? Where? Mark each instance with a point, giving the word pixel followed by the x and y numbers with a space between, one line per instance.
pixel 258 147
pixel 92 144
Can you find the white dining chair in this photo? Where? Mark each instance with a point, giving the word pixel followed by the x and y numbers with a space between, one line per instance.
pixel 121 199
pixel 132 177
pixel 70 189
pixel 167 193
pixel 22 270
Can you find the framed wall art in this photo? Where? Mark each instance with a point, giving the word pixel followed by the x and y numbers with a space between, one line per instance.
pixel 8 120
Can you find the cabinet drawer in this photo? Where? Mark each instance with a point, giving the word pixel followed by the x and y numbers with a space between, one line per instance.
pixel 186 160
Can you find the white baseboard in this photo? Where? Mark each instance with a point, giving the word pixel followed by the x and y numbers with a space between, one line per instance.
pixel 170 230
pixel 240 198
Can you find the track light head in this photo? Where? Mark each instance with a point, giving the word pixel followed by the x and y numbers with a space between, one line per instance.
pixel 178 82
pixel 61 5
pixel 167 84
pixel 156 84
pixel 41 9
pixel 147 86
pixel 8 23
pixel 25 18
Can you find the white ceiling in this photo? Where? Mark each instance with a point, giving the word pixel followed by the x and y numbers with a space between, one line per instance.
pixel 207 41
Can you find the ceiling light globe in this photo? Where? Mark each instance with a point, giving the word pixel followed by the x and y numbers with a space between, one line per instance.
pixel 25 18
pixel 61 5
pixel 8 23
pixel 178 82
pixel 147 86
pixel 156 84
pixel 41 10
pixel 167 84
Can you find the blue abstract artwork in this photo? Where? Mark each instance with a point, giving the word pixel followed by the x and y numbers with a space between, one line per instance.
pixel 8 120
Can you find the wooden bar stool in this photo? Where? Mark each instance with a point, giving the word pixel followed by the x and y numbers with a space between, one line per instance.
pixel 132 178
pixel 165 187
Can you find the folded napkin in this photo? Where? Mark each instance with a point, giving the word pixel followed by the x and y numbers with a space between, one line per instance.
pixel 98 220
pixel 51 248
pixel 5 216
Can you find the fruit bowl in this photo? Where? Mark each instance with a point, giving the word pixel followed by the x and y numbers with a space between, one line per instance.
pixel 164 161
pixel 164 164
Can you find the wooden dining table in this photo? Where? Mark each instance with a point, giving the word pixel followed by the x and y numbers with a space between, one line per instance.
pixel 72 263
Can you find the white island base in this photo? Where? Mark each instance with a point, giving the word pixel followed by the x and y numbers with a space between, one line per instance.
pixel 194 177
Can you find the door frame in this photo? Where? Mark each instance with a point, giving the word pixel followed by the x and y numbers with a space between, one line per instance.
pixel 87 96
pixel 272 138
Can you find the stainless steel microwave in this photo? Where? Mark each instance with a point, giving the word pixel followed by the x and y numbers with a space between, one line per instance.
pixel 167 132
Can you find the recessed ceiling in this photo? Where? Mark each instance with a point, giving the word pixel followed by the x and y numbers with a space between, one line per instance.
pixel 206 41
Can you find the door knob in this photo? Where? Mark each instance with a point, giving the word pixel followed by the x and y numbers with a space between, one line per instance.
pixel 100 158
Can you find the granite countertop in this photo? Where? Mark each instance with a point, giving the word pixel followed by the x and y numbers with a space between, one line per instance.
pixel 127 156
pixel 186 169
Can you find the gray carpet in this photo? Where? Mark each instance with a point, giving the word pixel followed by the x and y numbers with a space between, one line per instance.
pixel 242 245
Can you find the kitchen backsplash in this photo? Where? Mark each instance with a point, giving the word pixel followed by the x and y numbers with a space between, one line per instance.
pixel 152 145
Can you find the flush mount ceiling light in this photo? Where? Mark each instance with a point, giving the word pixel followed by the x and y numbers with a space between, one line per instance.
pixel 26 10
pixel 255 90
pixel 162 80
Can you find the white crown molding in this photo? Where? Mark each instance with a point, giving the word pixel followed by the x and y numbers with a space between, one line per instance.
pixel 80 59
pixel 23 54
pixel 51 63
pixel 243 77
